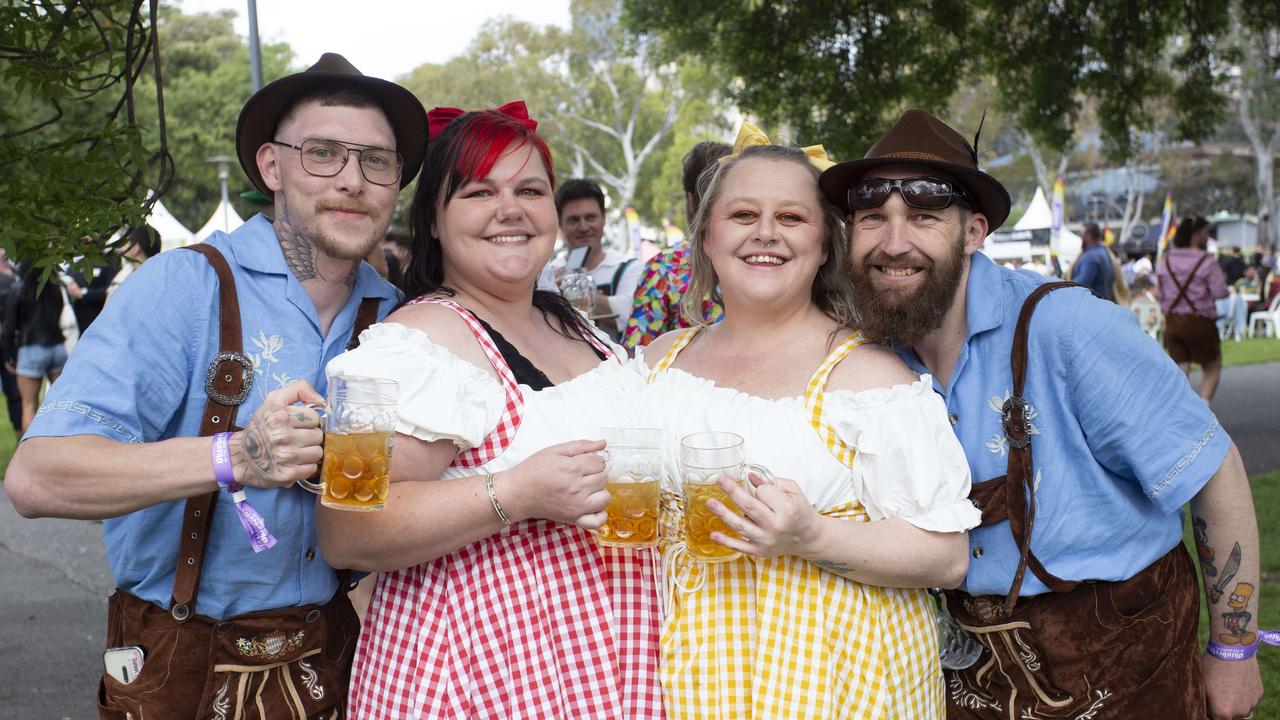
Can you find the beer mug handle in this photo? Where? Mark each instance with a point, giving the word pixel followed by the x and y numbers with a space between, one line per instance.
pixel 762 471
pixel 311 486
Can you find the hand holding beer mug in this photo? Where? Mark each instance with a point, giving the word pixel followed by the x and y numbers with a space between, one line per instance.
pixel 633 462
pixel 579 289
pixel 705 457
pixel 359 423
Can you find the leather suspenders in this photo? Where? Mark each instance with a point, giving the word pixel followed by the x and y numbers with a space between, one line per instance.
pixel 227 384
pixel 1012 496
pixel 1182 285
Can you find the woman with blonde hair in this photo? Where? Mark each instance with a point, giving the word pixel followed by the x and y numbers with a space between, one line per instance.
pixel 817 606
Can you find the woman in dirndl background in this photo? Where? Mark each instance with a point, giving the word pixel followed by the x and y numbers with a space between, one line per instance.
pixel 494 600
pixel 817 604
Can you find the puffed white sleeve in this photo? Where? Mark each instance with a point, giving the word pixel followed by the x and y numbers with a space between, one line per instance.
pixel 442 396
pixel 909 463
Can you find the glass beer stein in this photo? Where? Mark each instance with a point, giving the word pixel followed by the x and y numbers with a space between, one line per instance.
pixel 579 289
pixel 359 423
pixel 633 462
pixel 704 458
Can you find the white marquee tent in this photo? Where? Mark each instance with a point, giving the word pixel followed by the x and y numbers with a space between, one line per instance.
pixel 224 218
pixel 172 233
pixel 1038 216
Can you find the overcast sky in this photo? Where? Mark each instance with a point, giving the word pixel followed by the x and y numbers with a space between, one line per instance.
pixel 383 38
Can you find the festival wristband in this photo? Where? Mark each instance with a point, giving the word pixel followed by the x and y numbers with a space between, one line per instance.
pixel 1243 652
pixel 254 525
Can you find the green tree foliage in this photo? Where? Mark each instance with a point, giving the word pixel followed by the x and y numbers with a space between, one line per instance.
pixel 72 161
pixel 831 71
pixel 839 71
pixel 206 83
pixel 607 107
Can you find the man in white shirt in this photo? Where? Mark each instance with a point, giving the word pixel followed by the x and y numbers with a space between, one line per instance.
pixel 580 204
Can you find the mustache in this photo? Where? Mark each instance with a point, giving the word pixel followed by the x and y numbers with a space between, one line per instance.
pixel 322 206
pixel 879 257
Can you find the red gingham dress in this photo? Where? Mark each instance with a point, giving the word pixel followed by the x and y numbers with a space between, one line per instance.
pixel 535 621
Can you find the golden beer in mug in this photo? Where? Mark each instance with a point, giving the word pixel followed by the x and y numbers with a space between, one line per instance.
pixel 706 457
pixel 359 424
pixel 633 462
pixel 355 474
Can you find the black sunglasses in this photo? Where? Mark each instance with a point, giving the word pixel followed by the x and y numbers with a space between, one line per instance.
pixel 922 193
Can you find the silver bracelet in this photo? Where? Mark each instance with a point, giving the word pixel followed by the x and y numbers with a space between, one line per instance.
pixel 493 499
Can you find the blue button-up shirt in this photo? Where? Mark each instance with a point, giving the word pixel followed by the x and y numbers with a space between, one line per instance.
pixel 1120 442
pixel 1093 270
pixel 138 376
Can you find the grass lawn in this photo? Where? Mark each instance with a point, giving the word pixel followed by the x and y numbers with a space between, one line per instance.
pixel 1266 498
pixel 7 440
pixel 1250 352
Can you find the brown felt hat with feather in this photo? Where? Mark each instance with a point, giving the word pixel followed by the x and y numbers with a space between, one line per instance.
pixel 920 138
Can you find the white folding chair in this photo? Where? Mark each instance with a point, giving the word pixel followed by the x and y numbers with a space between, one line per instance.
pixel 1269 317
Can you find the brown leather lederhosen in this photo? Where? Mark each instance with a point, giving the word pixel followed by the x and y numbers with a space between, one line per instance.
pixel 1088 649
pixel 286 663
pixel 1189 336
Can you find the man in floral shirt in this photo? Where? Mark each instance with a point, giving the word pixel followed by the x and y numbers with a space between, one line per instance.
pixel 657 304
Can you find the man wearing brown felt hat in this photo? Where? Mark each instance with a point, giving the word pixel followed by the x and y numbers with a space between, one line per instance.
pixel 1084 442
pixel 225 606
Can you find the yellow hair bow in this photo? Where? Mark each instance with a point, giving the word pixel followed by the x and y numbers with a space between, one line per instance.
pixel 749 136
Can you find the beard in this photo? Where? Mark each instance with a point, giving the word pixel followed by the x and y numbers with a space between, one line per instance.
pixel 350 247
pixel 906 317
pixel 338 243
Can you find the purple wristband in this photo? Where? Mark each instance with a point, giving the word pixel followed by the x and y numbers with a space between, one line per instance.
pixel 254 524
pixel 1232 652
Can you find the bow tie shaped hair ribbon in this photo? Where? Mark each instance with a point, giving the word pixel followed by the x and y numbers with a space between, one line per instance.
pixel 749 136
pixel 438 118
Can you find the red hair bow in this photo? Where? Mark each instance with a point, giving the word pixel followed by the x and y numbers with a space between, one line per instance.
pixel 439 117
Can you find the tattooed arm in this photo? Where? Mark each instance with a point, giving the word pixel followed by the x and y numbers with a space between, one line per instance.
pixel 1226 533
pixel 92 477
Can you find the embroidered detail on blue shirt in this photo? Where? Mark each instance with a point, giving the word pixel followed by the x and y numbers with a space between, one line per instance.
pixel 81 409
pixel 1184 461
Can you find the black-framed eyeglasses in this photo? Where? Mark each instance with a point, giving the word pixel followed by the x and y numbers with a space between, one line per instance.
pixel 326 158
pixel 922 193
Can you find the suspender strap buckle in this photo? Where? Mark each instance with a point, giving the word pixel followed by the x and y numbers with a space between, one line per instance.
pixel 222 379
pixel 1015 417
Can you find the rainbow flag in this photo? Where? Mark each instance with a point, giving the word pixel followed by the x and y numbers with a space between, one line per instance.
pixel 633 229
pixel 1059 213
pixel 1168 224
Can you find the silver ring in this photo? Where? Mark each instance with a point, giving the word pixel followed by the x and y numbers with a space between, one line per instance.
pixel 1248 717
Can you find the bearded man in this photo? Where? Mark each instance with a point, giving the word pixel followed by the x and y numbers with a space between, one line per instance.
pixel 225 607
pixel 1093 441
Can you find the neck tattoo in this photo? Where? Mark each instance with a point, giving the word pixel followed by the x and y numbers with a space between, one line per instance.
pixel 299 252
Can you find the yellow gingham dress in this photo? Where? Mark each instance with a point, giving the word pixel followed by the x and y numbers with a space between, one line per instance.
pixel 774 638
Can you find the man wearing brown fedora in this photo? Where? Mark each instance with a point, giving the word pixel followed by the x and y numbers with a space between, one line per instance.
pixel 1084 442
pixel 225 607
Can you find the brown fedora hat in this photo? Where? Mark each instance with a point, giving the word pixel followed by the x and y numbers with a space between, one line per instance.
pixel 261 115
pixel 919 138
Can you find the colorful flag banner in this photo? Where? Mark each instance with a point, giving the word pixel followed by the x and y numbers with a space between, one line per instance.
pixel 633 229
pixel 1059 214
pixel 1168 223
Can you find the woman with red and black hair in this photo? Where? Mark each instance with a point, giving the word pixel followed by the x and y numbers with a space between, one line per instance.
pixel 494 601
